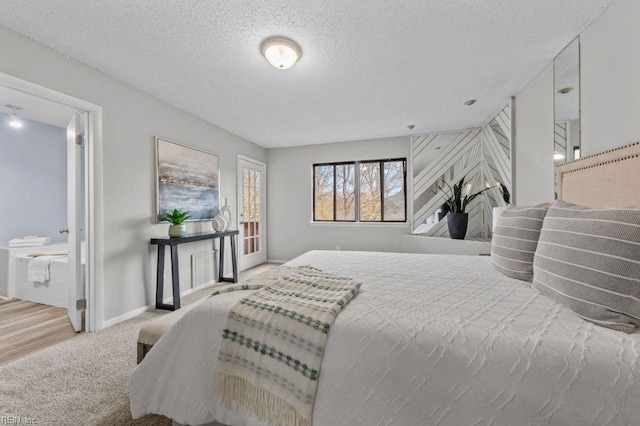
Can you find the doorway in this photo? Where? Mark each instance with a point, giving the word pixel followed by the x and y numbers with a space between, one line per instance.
pixel 73 267
pixel 252 218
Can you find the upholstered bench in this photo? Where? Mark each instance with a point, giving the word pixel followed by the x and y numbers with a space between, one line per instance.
pixel 153 331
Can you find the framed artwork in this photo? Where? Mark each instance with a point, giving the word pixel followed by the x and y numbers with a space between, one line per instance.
pixel 186 179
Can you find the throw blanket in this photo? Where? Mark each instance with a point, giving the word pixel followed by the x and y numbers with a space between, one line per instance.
pixel 273 341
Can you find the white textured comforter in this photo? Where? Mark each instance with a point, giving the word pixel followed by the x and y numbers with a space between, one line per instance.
pixel 429 340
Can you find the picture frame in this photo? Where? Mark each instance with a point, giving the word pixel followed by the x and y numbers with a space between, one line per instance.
pixel 186 179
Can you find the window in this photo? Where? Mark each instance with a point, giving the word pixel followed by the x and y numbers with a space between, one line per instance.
pixel 360 191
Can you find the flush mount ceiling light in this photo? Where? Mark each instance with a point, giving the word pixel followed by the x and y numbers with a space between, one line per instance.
pixel 470 102
pixel 15 121
pixel 281 52
pixel 565 90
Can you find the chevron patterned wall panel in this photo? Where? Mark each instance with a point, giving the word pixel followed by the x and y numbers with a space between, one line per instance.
pixel 482 156
pixel 560 146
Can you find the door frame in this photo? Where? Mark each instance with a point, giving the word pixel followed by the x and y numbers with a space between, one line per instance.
pixel 94 285
pixel 239 207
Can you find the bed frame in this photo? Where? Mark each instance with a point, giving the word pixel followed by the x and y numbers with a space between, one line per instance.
pixel 611 178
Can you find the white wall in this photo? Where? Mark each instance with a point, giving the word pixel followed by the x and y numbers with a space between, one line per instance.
pixel 33 180
pixel 290 200
pixel 534 166
pixel 131 119
pixel 609 104
pixel 610 78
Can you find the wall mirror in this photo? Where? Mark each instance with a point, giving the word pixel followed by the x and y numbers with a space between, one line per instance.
pixel 566 70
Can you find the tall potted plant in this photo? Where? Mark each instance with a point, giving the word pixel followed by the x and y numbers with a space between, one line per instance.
pixel 457 202
pixel 176 218
pixel 497 211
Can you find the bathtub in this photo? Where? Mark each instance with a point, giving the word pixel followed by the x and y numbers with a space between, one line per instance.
pixel 52 292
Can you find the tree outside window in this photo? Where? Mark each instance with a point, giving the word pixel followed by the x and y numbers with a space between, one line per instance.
pixel 360 191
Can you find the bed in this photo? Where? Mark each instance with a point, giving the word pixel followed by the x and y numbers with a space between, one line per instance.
pixel 429 340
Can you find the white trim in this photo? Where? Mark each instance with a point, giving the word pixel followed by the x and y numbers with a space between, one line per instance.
pixel 188 292
pixel 265 236
pixel 126 316
pixel 277 261
pixel 134 313
pixel 95 256
pixel 361 224
pixel 251 160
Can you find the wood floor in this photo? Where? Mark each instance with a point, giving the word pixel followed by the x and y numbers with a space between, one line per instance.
pixel 27 327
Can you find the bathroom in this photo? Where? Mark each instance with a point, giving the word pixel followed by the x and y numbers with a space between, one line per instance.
pixel 34 262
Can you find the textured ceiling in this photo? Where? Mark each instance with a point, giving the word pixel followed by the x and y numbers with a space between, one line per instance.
pixel 369 67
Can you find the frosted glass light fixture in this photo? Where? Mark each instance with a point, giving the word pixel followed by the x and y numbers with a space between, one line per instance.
pixel 15 121
pixel 281 52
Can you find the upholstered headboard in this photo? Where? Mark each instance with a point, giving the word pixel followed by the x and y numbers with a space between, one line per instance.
pixel 611 178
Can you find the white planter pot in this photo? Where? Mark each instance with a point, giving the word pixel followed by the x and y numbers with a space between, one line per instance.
pixel 177 230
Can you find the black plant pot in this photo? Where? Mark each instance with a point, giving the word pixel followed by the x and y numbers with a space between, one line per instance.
pixel 458 225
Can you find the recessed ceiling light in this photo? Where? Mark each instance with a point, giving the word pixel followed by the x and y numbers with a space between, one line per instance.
pixel 565 90
pixel 470 102
pixel 281 52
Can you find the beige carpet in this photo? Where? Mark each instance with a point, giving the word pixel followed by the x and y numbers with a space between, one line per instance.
pixel 82 381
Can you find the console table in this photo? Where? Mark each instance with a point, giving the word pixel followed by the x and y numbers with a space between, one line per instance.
pixel 173 242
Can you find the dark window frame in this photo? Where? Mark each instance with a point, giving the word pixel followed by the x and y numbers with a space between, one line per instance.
pixel 357 193
pixel 340 163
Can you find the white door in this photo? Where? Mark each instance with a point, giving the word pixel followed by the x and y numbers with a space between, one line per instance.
pixel 251 212
pixel 75 216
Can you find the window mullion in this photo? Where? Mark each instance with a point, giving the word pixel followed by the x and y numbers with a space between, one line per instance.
pixel 334 193
pixel 356 172
pixel 381 165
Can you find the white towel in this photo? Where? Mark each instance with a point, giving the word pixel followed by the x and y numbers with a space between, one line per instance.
pixel 30 242
pixel 38 269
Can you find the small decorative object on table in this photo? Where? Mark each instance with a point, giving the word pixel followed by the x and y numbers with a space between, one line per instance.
pixel 176 218
pixel 222 222
pixel 457 218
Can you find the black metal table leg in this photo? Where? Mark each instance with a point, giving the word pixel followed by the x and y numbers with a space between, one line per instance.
pixel 234 263
pixel 175 277
pixel 173 242
pixel 160 277
pixel 221 261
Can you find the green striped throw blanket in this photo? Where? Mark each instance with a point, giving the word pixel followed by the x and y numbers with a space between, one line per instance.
pixel 273 340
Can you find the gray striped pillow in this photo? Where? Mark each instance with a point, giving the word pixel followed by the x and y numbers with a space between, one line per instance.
pixel 515 240
pixel 588 259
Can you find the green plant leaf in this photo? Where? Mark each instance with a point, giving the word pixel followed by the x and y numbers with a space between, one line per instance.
pixel 176 217
pixel 457 202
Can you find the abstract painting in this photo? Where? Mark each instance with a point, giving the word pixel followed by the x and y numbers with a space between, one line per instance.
pixel 187 179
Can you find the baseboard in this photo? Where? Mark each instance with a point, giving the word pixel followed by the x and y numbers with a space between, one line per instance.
pixel 279 262
pixel 191 290
pixel 142 310
pixel 126 316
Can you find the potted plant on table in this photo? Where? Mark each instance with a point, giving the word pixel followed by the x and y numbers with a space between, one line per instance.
pixel 459 199
pixel 176 218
